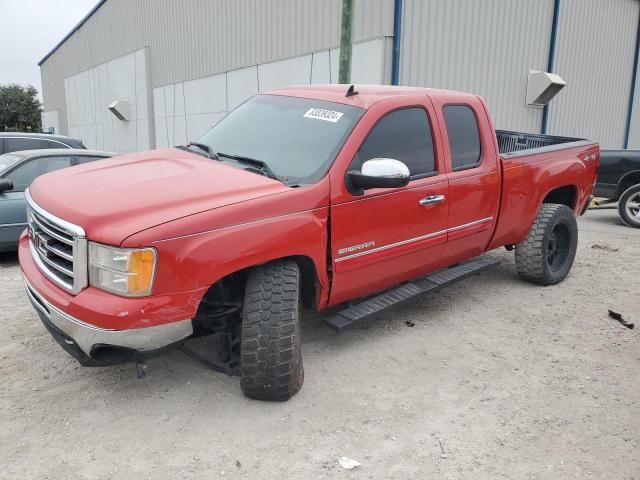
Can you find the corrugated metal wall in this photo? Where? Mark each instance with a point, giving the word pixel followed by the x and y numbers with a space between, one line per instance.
pixel 196 38
pixel 595 49
pixel 485 47
pixel 634 133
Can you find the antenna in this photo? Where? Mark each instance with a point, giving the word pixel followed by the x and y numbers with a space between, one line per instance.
pixel 352 91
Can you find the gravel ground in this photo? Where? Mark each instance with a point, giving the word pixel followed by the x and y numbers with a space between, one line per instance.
pixel 497 379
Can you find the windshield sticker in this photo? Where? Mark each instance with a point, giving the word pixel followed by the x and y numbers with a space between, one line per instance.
pixel 322 114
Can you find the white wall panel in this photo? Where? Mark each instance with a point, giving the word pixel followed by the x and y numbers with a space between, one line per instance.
pixel 178 99
pixel 161 132
pixel 197 125
pixel 50 122
pixel 293 71
pixel 206 95
pixel 89 93
pixel 321 67
pixel 241 84
pixel 334 63
pixel 368 62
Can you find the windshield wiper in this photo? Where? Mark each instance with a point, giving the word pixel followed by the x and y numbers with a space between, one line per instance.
pixel 203 148
pixel 258 164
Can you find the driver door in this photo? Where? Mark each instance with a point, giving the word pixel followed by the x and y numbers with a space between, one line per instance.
pixel 387 236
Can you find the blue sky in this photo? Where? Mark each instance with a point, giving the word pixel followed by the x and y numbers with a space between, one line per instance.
pixel 29 29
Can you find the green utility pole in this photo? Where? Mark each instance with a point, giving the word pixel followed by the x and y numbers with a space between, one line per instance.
pixel 344 75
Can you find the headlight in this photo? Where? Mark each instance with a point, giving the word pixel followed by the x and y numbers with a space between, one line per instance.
pixel 123 271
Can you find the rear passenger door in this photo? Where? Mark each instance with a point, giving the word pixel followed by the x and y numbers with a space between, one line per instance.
pixel 386 236
pixel 472 170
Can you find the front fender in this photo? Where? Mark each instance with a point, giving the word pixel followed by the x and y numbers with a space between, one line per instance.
pixel 191 262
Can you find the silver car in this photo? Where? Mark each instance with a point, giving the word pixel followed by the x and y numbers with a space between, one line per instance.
pixel 17 171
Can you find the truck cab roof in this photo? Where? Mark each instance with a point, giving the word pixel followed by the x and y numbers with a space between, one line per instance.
pixel 366 96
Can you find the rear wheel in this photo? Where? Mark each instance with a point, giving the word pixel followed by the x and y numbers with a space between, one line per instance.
pixel 629 206
pixel 546 256
pixel 270 353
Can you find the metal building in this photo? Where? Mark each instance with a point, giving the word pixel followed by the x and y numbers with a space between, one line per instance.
pixel 175 68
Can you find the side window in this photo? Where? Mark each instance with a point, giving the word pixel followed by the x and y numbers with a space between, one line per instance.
pixel 23 175
pixel 403 135
pixel 464 137
pixel 50 144
pixel 15 144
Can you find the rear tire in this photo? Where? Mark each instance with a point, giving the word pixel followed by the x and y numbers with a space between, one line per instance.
pixel 629 206
pixel 271 360
pixel 546 256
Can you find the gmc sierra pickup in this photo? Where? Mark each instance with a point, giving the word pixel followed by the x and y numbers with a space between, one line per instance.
pixel 310 196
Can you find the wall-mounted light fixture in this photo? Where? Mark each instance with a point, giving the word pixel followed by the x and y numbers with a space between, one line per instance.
pixel 542 87
pixel 121 109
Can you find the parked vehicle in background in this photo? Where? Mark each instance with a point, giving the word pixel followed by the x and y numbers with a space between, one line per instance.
pixel 17 171
pixel 14 141
pixel 317 195
pixel 619 181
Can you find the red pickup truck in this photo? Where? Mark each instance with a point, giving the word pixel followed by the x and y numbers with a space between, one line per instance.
pixel 311 196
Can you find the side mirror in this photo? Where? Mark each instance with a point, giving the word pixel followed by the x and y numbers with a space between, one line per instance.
pixel 5 184
pixel 378 173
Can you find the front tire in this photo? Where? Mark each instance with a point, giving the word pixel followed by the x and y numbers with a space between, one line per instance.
pixel 629 206
pixel 270 353
pixel 546 256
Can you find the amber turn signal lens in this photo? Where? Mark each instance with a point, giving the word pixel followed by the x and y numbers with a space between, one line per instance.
pixel 141 266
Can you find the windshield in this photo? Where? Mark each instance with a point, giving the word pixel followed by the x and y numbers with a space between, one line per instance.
pixel 297 138
pixel 7 160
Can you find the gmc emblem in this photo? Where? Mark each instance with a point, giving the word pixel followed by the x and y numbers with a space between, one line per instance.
pixel 41 244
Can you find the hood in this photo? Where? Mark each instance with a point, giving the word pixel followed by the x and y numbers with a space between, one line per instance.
pixel 115 198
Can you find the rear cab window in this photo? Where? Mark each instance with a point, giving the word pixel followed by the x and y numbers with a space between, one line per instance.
pixel 403 135
pixel 464 137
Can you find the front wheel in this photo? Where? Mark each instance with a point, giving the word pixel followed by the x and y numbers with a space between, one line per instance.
pixel 547 254
pixel 270 353
pixel 629 206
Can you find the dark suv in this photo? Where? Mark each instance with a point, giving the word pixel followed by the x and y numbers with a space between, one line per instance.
pixel 13 141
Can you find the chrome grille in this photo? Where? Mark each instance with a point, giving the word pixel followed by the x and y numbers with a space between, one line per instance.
pixel 58 247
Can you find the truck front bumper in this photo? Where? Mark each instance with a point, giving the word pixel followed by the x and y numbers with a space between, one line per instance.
pixel 93 346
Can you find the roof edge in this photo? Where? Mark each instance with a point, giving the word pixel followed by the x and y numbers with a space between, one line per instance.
pixel 73 30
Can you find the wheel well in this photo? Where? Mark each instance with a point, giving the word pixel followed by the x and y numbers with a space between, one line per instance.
pixel 563 195
pixel 230 288
pixel 629 180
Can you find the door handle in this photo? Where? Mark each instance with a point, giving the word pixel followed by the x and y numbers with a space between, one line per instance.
pixel 431 200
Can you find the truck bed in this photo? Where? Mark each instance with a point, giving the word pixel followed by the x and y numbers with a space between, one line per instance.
pixel 511 142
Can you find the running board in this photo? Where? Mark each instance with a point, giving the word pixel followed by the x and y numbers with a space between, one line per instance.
pixel 352 315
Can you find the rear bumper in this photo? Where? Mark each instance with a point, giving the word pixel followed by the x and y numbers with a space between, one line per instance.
pixel 93 346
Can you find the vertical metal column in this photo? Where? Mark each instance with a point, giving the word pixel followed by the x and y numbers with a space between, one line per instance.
pixel 397 40
pixel 344 72
pixel 552 58
pixel 632 95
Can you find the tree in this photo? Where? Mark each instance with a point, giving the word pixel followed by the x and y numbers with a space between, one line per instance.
pixel 20 108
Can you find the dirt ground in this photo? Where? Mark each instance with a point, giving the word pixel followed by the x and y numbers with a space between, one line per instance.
pixel 497 379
